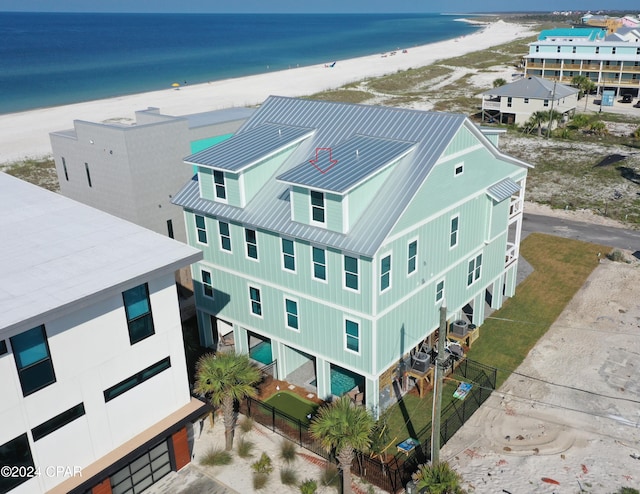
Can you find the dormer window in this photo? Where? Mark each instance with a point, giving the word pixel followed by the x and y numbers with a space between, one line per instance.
pixel 219 185
pixel 317 207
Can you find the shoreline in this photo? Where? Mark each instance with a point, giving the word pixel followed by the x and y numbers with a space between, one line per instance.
pixel 25 135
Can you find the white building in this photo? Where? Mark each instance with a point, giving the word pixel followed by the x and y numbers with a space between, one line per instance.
pixel 93 377
pixel 516 102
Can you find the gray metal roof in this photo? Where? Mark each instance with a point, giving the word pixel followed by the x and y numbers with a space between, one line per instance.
pixel 247 148
pixel 503 189
pixel 334 124
pixel 343 167
pixel 57 255
pixel 534 88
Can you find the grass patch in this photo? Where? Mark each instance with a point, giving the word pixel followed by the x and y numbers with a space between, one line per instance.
pixel 215 457
pixel 309 486
pixel 245 448
pixel 246 425
pixel 293 405
pixel 260 481
pixel 288 476
pixel 343 96
pixel 37 172
pixel 287 451
pixel 330 477
pixel 561 267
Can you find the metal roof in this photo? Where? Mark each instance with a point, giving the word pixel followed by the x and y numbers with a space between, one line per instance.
pixel 533 87
pixel 58 255
pixel 503 189
pixel 334 124
pixel 341 168
pixel 247 148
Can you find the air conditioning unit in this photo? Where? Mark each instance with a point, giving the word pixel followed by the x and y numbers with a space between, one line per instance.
pixel 421 361
pixel 460 327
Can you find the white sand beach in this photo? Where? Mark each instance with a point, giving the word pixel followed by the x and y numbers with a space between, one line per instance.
pixel 26 134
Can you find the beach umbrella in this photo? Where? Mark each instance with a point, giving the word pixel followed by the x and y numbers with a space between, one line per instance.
pixel 175 84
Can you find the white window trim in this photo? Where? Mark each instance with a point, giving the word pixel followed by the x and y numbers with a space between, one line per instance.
pixel 206 230
pixel 220 238
pixel 416 240
pixel 455 169
pixel 326 271
pixel 246 245
pixel 386 254
pixel 203 284
pixel 475 267
pixel 321 224
pixel 286 319
pixel 259 288
pixel 444 287
pixel 457 215
pixel 344 334
pixel 344 274
pixel 224 185
pixel 282 254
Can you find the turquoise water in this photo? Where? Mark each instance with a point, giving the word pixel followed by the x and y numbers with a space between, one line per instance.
pixel 51 59
pixel 343 381
pixel 262 353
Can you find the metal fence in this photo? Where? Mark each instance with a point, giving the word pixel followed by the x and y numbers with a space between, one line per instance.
pixel 393 474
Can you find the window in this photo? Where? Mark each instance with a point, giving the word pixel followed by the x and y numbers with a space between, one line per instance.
pixel 3 347
pixel 288 255
pixel 558 49
pixel 352 335
pixel 225 236
pixel 319 264
pixel 64 168
pixel 509 102
pixel 573 49
pixel 86 169
pixel 439 291
pixel 207 284
pixel 170 228
pixel 131 382
pixel 219 185
pixel 254 299
pixel 537 48
pixel 15 453
pixel 453 235
pixel 459 169
pixel 58 422
pixel 317 206
pixel 545 102
pixel 33 360
pixel 201 227
pixel 597 49
pixel 412 256
pixel 475 268
pixel 637 53
pixel 385 273
pixel 252 243
pixel 351 272
pixel 613 50
pixel 142 472
pixel 291 313
pixel 138 308
pixel 526 100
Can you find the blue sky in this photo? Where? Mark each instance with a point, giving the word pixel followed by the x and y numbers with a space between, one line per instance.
pixel 301 6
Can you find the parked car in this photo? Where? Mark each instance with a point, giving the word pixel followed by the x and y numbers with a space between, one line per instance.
pixel 627 98
pixel 637 105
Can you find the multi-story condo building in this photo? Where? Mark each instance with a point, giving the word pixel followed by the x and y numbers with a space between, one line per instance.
pixel 332 233
pixel 610 62
pixel 93 379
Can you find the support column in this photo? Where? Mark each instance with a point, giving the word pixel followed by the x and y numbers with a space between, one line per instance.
pixel 278 352
pixel 511 279
pixel 372 396
pixel 496 293
pixel 241 339
pixel 323 378
pixel 478 308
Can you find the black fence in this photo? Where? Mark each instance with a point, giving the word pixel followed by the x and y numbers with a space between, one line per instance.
pixel 394 472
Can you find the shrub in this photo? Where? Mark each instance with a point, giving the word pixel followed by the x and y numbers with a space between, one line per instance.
pixel 263 465
pixel 330 476
pixel 308 487
pixel 616 256
pixel 287 451
pixel 288 476
pixel 628 490
pixel 246 425
pixel 260 480
pixel 216 456
pixel 245 448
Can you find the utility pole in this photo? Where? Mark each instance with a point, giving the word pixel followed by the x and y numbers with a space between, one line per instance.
pixel 438 384
pixel 553 97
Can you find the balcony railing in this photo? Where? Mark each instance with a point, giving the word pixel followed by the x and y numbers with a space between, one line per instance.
pixel 511 253
pixel 515 206
pixel 630 68
pixel 490 104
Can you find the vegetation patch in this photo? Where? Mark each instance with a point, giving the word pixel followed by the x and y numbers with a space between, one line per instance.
pixel 343 96
pixel 216 456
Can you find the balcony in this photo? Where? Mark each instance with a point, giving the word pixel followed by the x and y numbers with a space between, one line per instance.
pixel 611 68
pixel 515 206
pixel 511 254
pixel 491 104
pixel 553 66
pixel 534 65
pixel 630 68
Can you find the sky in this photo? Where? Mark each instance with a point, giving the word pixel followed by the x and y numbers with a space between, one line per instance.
pixel 307 6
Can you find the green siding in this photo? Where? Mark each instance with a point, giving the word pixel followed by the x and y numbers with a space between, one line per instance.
pixel 205 179
pixel 333 208
pixel 300 204
pixel 256 176
pixel 463 140
pixel 233 189
pixel 360 197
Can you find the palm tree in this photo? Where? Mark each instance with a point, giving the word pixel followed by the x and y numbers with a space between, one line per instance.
pixel 345 428
pixel 499 82
pixel 438 478
pixel 226 378
pixel 585 85
pixel 537 119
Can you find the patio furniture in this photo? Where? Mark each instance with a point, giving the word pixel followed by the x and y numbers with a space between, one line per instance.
pixel 408 445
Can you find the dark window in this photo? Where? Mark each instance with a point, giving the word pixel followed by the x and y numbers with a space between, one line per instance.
pixel 459 169
pixel 526 100
pixel 613 50
pixel 291 311
pixel 385 273
pixel 138 308
pixel 256 303
pixel 143 471
pixel 58 422
pixel 86 168
pixel 225 236
pixel 573 50
pixel 453 235
pixel 439 291
pixel 252 243
pixel 3 347
pixel 170 228
pixel 317 206
pixel 64 168
pixel 475 269
pixel 207 284
pixel 139 378
pixel 509 101
pixel 412 257
pixel 201 227
pixel 319 264
pixel 33 360
pixel 597 49
pixel 537 48
pixel 218 180
pixel 15 453
pixel 545 102
pixel 352 335
pixel 558 49
pixel 351 272
pixel 288 254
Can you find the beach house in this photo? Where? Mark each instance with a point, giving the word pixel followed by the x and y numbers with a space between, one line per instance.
pixel 93 379
pixel 611 62
pixel 514 103
pixel 333 233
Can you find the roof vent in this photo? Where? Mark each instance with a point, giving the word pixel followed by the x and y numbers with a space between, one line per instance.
pixel 357 153
pixel 279 132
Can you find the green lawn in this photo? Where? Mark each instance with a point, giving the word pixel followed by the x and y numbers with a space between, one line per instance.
pixel 561 266
pixel 293 405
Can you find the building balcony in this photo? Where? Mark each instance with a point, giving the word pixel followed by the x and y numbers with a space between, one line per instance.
pixel 572 66
pixel 534 65
pixel 491 104
pixel 515 206
pixel 611 68
pixel 591 67
pixel 630 68
pixel 629 82
pixel 511 254
pixel 553 66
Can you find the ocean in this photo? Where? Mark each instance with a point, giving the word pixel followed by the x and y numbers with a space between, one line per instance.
pixel 51 59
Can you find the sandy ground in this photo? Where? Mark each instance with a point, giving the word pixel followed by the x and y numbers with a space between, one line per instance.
pixel 26 134
pixel 572 411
